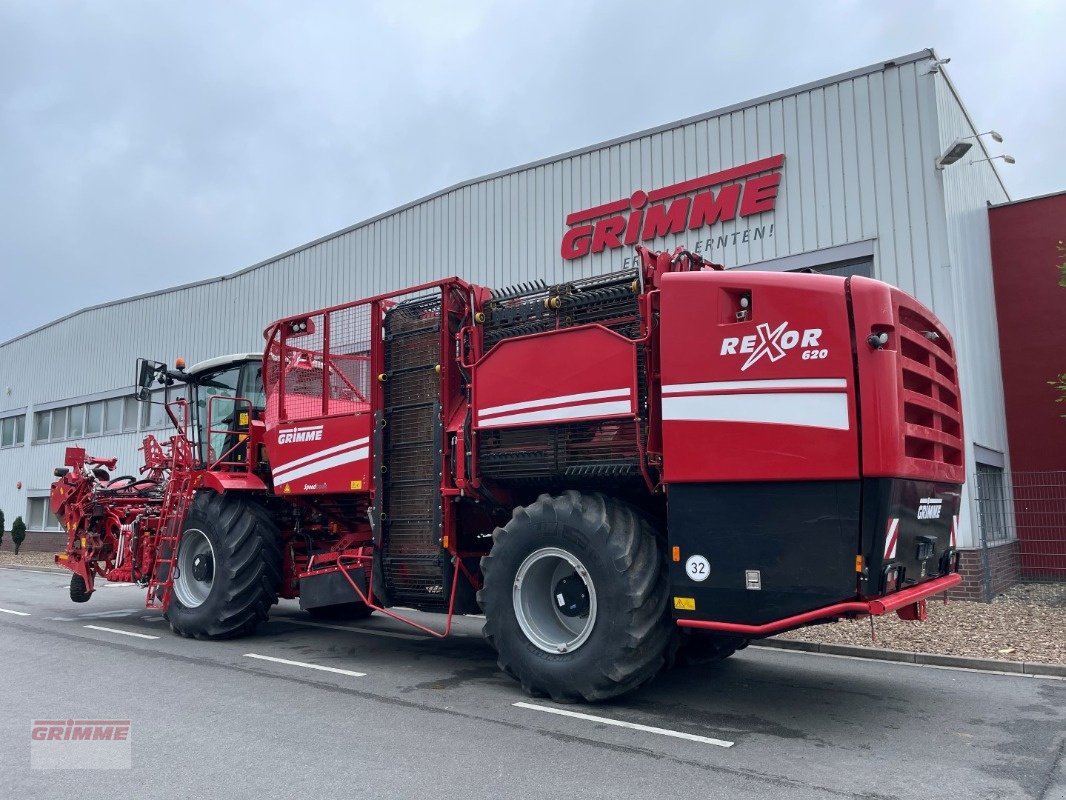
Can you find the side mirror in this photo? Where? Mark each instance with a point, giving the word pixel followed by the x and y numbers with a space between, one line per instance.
pixel 147 372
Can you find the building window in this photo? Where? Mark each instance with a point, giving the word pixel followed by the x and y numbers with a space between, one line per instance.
pixel 845 269
pixel 154 414
pixel 39 516
pixel 993 505
pixel 129 413
pixel 76 422
pixel 115 415
pixel 43 430
pixel 12 431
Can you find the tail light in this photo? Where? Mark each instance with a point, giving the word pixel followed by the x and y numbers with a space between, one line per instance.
pixel 892 578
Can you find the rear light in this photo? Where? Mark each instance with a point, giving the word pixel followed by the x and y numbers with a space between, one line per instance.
pixel 949 561
pixel 892 578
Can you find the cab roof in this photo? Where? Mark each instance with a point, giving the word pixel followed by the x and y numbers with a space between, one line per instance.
pixel 218 362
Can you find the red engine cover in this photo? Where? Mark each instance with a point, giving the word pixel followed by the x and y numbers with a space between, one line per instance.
pixel 757 378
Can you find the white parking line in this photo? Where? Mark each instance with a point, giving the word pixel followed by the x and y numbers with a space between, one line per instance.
pixel 306 665
pixel 389 634
pixel 116 630
pixel 16 613
pixel 632 725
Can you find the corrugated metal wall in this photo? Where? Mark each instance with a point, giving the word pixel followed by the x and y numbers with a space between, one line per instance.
pixel 858 166
pixel 970 186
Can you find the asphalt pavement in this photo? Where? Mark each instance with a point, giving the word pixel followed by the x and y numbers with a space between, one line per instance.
pixel 375 708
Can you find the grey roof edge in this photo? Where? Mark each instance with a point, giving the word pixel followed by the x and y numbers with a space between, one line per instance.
pixel 966 113
pixel 804 87
pixel 1030 199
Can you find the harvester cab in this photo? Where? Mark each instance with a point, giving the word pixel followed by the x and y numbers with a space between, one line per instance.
pixel 223 398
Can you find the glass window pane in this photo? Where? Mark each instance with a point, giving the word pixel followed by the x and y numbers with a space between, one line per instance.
pixel 44 426
pixel 94 419
pixel 7 432
pixel 129 413
pixel 76 421
pixel 35 513
pixel 113 415
pixel 20 429
pixel 155 415
pixel 59 423
pixel 50 521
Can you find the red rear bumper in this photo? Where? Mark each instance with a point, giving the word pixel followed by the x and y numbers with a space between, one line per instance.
pixel 861 608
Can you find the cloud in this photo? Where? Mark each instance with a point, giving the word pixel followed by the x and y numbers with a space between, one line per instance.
pixel 148 144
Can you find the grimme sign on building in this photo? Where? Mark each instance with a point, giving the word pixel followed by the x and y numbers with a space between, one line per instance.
pixel 744 191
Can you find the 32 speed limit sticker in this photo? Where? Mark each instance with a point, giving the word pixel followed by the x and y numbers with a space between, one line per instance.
pixel 698 568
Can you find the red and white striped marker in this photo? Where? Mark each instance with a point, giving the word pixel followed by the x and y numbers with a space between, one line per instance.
pixel 890 539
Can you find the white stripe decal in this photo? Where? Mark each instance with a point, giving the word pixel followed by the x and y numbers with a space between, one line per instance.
pixel 321 454
pixel 792 383
pixel 318 466
pixel 551 401
pixel 561 414
pixel 891 539
pixel 816 410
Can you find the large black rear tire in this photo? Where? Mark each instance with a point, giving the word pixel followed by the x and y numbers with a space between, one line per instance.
pixel 241 583
pixel 595 564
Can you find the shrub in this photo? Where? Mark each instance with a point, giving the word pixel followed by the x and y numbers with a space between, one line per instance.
pixel 18 533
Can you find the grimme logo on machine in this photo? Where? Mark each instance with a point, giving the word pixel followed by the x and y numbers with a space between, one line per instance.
pixel 645 215
pixel 312 433
pixel 929 508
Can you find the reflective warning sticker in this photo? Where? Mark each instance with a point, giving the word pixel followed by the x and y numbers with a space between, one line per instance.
pixel 685 603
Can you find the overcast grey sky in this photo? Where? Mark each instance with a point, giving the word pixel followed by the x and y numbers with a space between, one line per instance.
pixel 146 144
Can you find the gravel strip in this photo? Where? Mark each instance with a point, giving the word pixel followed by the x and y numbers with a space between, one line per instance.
pixel 26 559
pixel 1025 623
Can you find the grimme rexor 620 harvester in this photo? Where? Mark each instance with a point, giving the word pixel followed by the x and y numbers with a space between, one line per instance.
pixel 619 472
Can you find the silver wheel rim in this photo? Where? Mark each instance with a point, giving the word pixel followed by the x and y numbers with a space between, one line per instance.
pixel 190 591
pixel 536 605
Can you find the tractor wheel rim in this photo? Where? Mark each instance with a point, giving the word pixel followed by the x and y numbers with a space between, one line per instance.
pixel 190 591
pixel 537 601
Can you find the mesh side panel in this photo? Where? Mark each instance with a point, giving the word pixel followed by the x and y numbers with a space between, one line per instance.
pixel 413 463
pixel 407 388
pixel 606 450
pixel 416 502
pixel 414 571
pixel 411 425
pixel 324 369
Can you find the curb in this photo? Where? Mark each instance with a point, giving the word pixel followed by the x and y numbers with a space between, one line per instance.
pixel 930 659
pixel 34 568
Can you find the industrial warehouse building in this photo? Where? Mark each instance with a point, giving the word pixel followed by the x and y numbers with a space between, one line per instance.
pixel 840 176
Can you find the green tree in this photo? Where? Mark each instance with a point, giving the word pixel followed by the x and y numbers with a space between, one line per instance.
pixel 1 528
pixel 18 533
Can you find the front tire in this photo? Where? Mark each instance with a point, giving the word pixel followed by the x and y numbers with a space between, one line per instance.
pixel 77 590
pixel 575 598
pixel 228 569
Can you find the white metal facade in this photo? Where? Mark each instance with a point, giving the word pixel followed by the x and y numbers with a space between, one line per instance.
pixel 858 180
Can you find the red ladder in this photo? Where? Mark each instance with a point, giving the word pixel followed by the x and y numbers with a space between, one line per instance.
pixel 176 499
